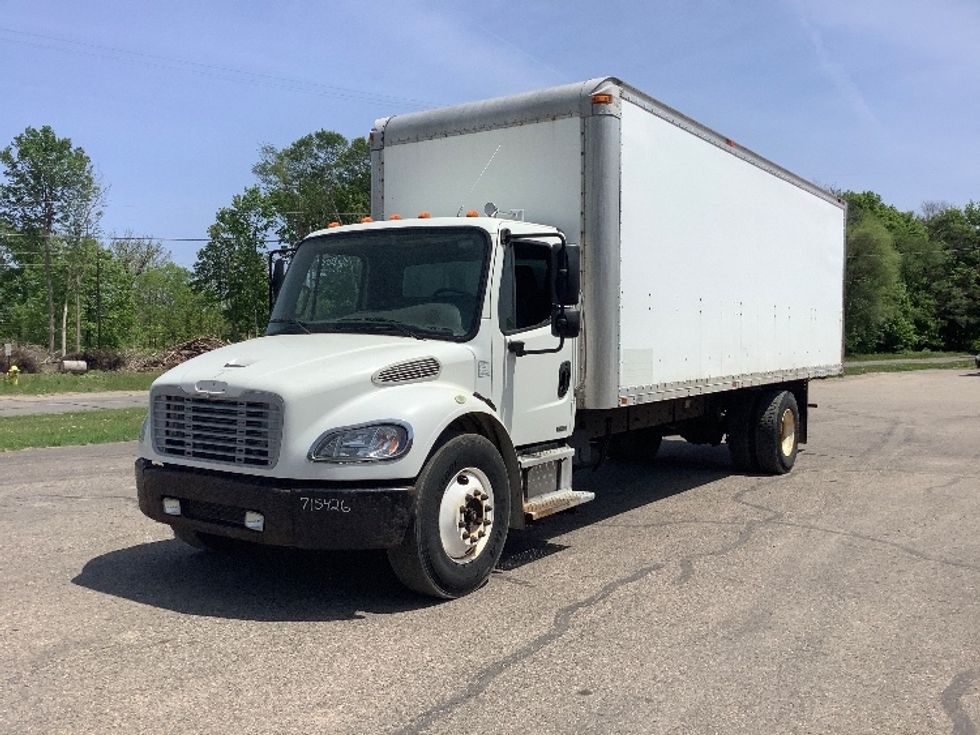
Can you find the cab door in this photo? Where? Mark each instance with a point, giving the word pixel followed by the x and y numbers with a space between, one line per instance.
pixel 537 401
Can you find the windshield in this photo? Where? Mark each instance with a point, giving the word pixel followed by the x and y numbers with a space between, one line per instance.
pixel 419 282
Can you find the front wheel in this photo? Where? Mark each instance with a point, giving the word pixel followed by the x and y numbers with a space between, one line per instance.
pixel 462 507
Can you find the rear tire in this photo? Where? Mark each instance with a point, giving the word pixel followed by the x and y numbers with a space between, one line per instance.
pixel 777 429
pixel 462 508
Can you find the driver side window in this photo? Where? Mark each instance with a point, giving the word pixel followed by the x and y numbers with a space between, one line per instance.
pixel 525 287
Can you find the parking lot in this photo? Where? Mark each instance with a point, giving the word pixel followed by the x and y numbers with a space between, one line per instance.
pixel 841 598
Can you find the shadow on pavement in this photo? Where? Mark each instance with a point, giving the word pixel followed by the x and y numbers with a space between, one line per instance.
pixel 272 584
pixel 620 487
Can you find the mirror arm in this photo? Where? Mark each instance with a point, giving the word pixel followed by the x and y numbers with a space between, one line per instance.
pixel 517 348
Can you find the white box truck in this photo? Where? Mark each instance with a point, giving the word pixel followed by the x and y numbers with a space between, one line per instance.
pixel 548 278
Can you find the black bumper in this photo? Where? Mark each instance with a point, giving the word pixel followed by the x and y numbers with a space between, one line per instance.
pixel 297 513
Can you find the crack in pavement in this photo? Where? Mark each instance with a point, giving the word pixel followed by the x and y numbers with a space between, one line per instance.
pixel 745 534
pixel 561 625
pixel 776 520
pixel 952 705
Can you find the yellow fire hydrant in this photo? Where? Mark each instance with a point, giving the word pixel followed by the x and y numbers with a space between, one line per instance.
pixel 13 373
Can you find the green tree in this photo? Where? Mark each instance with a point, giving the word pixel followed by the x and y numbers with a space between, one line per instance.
pixel 231 268
pixel 916 323
pixel 957 231
pixel 872 286
pixel 49 185
pixel 317 179
pixel 169 310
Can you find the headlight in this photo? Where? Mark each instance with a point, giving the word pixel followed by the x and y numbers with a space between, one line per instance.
pixel 363 443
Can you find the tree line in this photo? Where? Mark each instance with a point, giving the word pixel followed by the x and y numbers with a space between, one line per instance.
pixel 67 285
pixel 912 280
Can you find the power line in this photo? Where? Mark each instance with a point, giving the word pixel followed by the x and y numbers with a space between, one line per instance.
pixel 226 73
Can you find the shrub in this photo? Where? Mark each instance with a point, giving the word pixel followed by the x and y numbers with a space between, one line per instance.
pixel 100 359
pixel 23 359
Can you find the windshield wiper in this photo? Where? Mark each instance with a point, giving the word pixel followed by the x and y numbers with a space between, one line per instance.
pixel 292 322
pixel 383 323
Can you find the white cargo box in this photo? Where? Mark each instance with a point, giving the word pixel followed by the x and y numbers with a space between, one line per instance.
pixel 705 266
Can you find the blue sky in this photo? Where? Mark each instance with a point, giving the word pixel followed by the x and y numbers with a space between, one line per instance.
pixel 172 100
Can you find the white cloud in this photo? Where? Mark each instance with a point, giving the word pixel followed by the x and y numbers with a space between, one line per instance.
pixel 838 75
pixel 942 30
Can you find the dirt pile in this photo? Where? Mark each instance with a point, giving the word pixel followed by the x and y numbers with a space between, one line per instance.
pixel 175 355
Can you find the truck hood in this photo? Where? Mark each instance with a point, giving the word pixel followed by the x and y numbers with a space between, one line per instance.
pixel 302 364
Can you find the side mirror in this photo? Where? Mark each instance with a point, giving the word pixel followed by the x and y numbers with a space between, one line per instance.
pixel 565 261
pixel 566 322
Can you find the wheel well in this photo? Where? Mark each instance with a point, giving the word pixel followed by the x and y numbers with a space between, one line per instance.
pixel 488 427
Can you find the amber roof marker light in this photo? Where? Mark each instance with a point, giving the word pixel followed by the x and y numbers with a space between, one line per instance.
pixel 602 98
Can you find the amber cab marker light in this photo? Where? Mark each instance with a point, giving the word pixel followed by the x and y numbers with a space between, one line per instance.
pixel 472 213
pixel 367 219
pixel 425 215
pixel 602 99
pixel 333 224
pixel 395 216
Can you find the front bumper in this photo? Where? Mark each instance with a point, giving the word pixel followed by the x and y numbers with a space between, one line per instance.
pixel 297 513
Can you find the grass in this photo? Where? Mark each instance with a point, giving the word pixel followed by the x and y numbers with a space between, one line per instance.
pixel 907 355
pixel 900 367
pixel 65 429
pixel 34 384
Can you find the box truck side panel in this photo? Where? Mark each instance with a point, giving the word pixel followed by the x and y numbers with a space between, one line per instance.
pixel 534 167
pixel 728 272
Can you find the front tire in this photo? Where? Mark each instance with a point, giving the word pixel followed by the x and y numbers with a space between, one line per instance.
pixel 462 507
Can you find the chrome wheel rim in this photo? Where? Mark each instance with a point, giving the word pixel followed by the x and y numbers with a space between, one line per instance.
pixel 787 432
pixel 466 515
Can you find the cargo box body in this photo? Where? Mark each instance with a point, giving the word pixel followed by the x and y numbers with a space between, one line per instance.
pixel 704 266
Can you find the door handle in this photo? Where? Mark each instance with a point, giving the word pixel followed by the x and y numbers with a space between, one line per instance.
pixel 564 378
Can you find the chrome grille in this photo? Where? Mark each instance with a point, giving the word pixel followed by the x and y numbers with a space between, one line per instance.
pixel 408 372
pixel 224 430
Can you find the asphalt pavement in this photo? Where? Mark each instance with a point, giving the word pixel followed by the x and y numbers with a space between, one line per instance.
pixel 841 598
pixel 71 402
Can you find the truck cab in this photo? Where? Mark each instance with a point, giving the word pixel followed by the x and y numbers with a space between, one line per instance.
pixel 408 369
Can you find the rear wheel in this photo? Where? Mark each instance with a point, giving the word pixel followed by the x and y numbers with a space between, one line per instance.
pixel 462 507
pixel 777 432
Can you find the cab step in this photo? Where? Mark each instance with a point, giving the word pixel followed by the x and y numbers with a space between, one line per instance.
pixel 543 456
pixel 554 502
